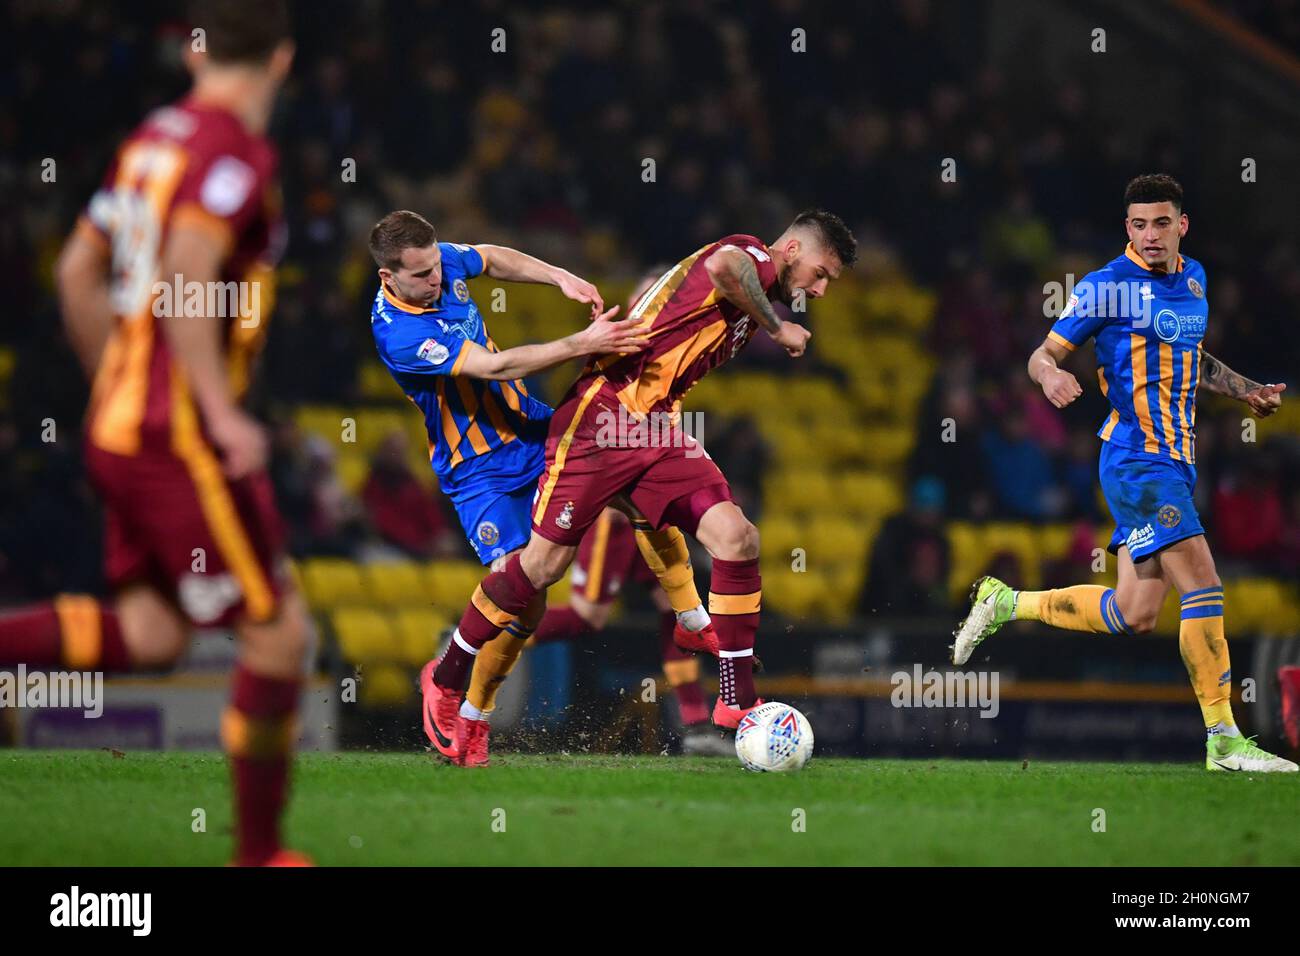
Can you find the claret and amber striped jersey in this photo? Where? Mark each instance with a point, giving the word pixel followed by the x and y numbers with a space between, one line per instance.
pixel 1148 326
pixel 692 329
pixel 194 164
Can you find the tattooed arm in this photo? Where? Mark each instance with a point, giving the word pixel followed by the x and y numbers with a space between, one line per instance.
pixel 1263 400
pixel 734 275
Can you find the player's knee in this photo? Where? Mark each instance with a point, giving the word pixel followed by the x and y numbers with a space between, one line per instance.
pixel 596 615
pixel 282 645
pixel 545 566
pixel 738 540
pixel 155 638
pixel 1139 616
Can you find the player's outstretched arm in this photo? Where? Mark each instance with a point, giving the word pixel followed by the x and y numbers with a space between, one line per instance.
pixel 734 275
pixel 1263 400
pixel 601 337
pixel 1060 387
pixel 502 262
pixel 82 277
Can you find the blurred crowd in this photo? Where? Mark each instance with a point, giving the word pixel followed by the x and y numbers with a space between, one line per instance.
pixel 547 146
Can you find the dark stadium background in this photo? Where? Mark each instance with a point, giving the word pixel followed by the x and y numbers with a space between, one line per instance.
pixel 840 454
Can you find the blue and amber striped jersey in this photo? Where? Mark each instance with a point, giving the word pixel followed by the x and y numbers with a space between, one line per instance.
pixel 1148 326
pixel 483 436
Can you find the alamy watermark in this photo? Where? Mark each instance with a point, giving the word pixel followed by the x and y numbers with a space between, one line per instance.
pixel 1106 300
pixel 222 300
pixel 947 689
pixel 73 690
pixel 623 429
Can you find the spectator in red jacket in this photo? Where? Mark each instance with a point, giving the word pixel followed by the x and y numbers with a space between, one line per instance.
pixel 402 511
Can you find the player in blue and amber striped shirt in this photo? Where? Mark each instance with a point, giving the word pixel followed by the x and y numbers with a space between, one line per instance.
pixel 487 435
pixel 1147 312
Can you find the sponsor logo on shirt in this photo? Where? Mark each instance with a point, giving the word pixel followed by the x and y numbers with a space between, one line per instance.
pixel 435 353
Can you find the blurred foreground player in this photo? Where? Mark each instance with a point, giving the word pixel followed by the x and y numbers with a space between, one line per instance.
pixel 697 316
pixel 1147 310
pixel 193 537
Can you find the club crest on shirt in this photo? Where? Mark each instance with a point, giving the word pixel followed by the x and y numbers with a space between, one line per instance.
pixel 488 533
pixel 461 290
pixel 1195 287
pixel 1169 516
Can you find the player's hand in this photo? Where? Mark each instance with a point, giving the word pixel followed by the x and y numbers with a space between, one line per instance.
pixel 792 337
pixel 580 290
pixel 1265 400
pixel 605 335
pixel 241 441
pixel 1060 387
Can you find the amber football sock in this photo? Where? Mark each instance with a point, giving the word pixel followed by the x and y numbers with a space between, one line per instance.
pixel 1205 655
pixel 492 666
pixel 666 554
pixel 1083 607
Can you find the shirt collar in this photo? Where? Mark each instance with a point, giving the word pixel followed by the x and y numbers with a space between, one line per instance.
pixel 1133 254
pixel 404 306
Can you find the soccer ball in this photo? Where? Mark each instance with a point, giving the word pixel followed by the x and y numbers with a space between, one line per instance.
pixel 774 738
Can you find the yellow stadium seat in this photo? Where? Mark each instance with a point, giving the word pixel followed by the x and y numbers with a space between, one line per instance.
pixel 365 634
pixel 838 539
pixel 798 594
pixel 1054 541
pixel 386 685
pixel 968 558
pixel 330 582
pixel 450 584
pixel 557 595
pixel 375 383
pixel 353 471
pixel 325 421
pixel 418 631
pixel 779 534
pixel 867 493
pixel 798 489
pixel 795 447
pixel 1020 540
pixel 374 425
pixel 397 583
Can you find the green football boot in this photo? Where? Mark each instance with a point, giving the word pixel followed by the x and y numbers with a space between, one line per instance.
pixel 992 604
pixel 1240 753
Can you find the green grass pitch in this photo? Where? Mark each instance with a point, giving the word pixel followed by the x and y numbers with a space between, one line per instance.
pixel 96 808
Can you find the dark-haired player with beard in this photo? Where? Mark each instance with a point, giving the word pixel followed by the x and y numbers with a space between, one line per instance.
pixel 697 316
pixel 1147 312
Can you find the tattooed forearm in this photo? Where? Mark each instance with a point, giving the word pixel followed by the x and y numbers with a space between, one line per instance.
pixel 736 278
pixel 1217 377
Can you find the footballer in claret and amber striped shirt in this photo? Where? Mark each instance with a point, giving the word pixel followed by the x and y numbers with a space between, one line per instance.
pixel 165 287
